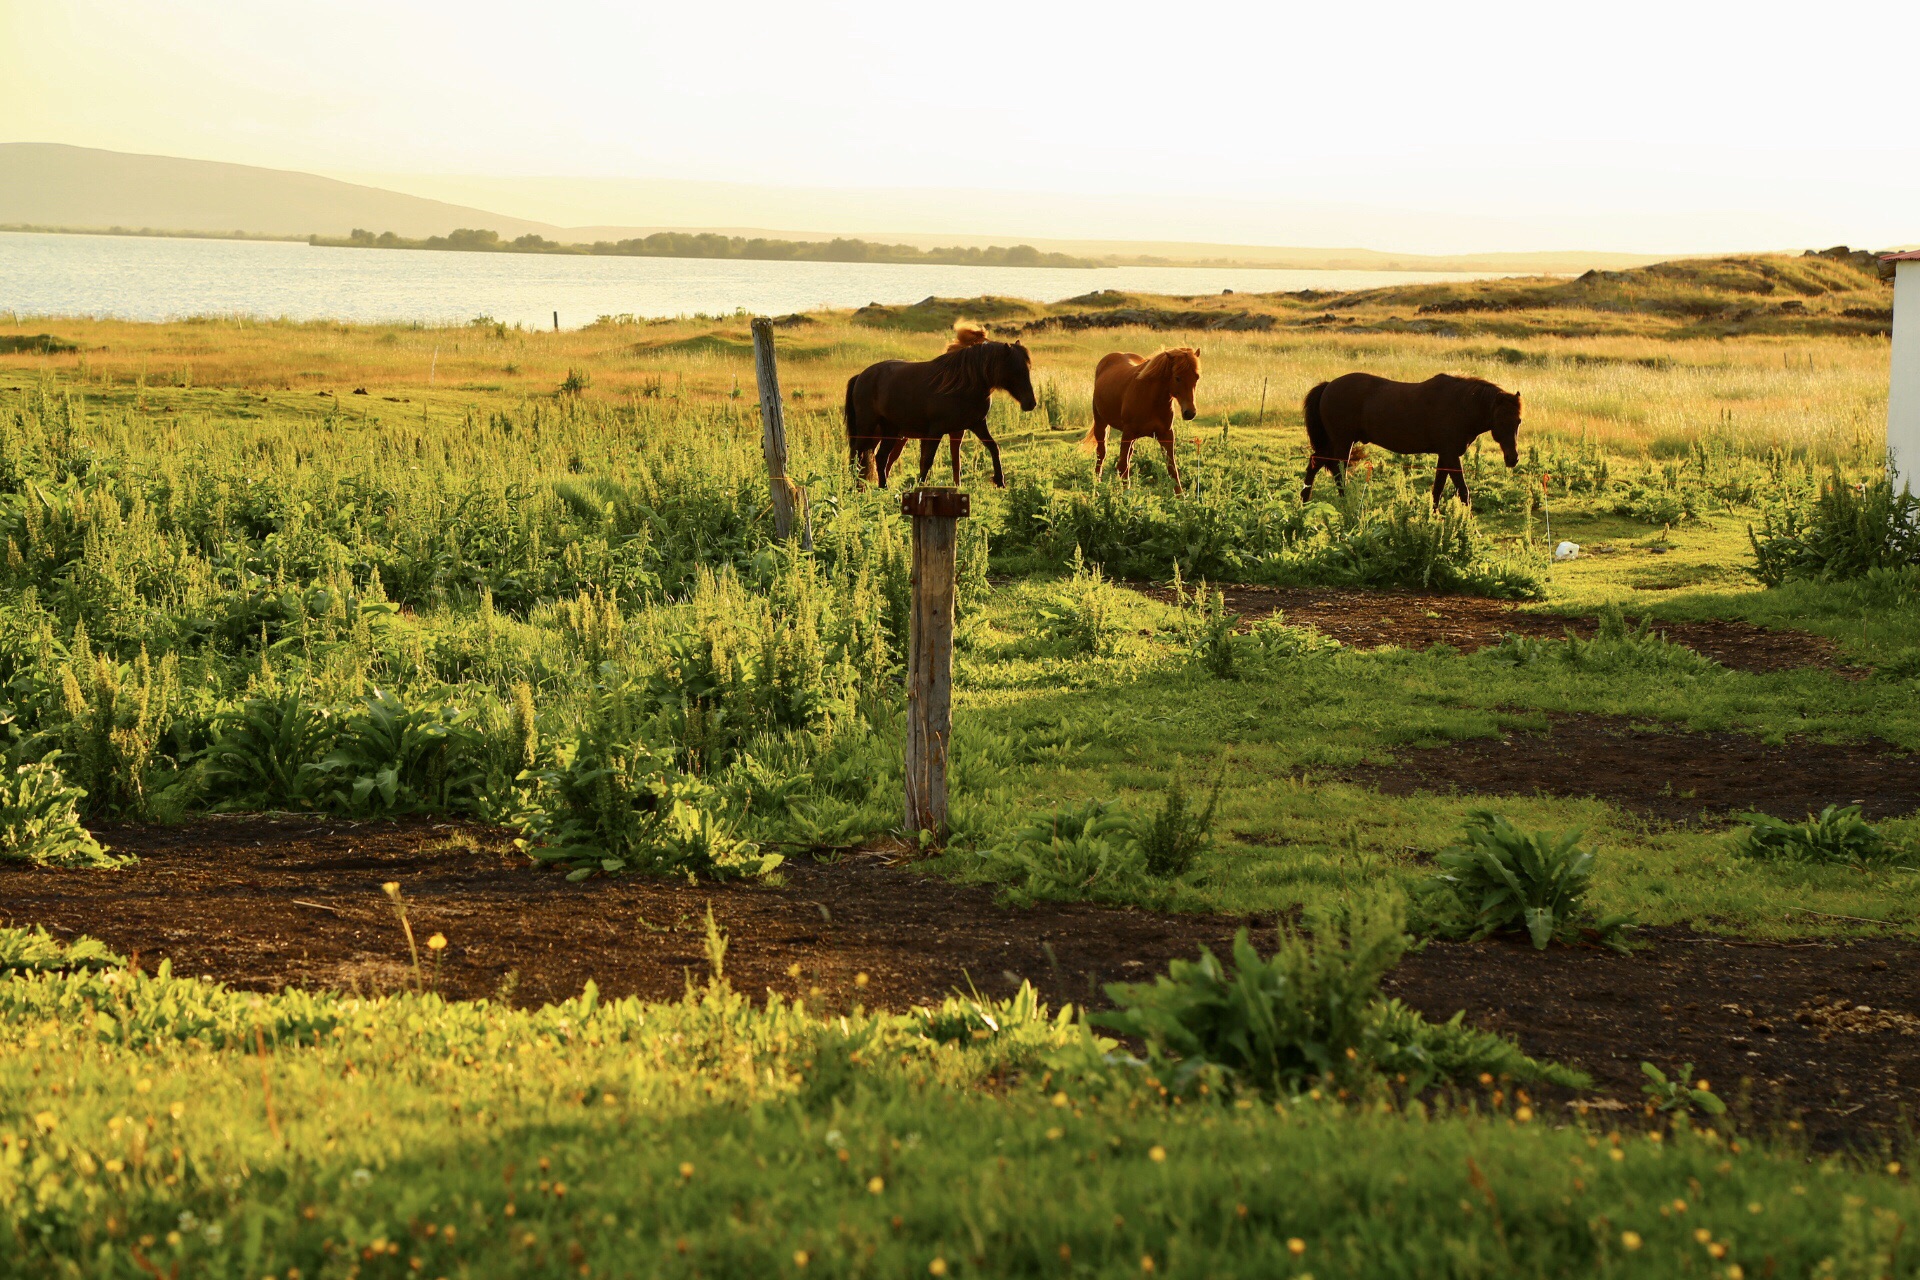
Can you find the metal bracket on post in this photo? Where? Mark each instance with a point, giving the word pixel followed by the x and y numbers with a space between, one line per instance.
pixel 936 514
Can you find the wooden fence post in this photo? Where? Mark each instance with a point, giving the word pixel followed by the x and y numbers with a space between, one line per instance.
pixel 936 515
pixel 773 436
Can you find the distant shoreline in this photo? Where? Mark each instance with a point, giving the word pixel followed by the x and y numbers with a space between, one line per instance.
pixel 1481 265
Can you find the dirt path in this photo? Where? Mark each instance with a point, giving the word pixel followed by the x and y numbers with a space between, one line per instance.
pixel 1672 775
pixel 265 902
pixel 1369 619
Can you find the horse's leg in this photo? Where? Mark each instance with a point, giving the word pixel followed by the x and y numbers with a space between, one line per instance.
pixel 993 451
pixel 884 456
pixel 1459 474
pixel 1125 466
pixel 1439 481
pixel 1306 482
pixel 1099 435
pixel 1173 468
pixel 929 450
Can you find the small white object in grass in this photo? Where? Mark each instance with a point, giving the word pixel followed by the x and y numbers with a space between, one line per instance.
pixel 1566 551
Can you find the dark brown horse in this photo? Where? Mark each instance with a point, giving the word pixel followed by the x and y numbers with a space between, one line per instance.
pixel 1136 394
pixel 1442 415
pixel 896 401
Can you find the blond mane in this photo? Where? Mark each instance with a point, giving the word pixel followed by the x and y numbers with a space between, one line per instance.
pixel 967 333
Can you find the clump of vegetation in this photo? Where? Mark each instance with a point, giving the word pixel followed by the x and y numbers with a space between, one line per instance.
pixel 1309 1014
pixel 611 803
pixel 1504 880
pixel 1835 837
pixel 1082 617
pixel 1620 645
pixel 1617 645
pixel 1215 633
pixel 1173 839
pixel 1097 851
pixel 1676 1095
pixel 1850 531
pixel 40 819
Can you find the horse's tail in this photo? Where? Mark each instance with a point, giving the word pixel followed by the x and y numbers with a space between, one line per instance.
pixel 853 431
pixel 1091 441
pixel 1317 436
pixel 967 333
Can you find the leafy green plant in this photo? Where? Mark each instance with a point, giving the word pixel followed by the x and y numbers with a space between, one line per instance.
pixel 1215 637
pixel 268 748
pixel 1619 645
pixel 40 819
pixel 392 757
pixel 612 804
pixel 1309 1013
pixel 1835 836
pixel 1080 852
pixel 36 951
pixel 971 1017
pixel 1676 1095
pixel 1505 880
pixel 1849 531
pixel 1081 617
pixel 1171 840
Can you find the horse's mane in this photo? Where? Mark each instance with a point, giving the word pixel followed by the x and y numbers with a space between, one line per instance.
pixel 968 366
pixel 1478 386
pixel 1157 363
pixel 967 333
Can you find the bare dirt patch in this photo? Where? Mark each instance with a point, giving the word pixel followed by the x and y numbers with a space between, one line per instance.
pixel 1666 774
pixel 1728 1007
pixel 267 902
pixel 1370 619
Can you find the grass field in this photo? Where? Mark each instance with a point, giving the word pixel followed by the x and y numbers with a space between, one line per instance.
pixel 527 579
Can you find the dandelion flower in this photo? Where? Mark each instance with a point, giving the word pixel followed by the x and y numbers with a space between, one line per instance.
pixel 1893 1167
pixel 390 888
pixel 800 1257
pixel 1157 1153
pixel 1702 1235
pixel 793 970
pixel 876 1184
pixel 1146 1262
pixel 1523 1114
pixel 938 1267
pixel 860 979
pixel 1296 1246
pixel 1062 1100
pixel 1630 1240
pixel 438 942
pixel 686 1168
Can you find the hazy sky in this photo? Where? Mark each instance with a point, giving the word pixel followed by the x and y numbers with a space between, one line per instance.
pixel 1652 127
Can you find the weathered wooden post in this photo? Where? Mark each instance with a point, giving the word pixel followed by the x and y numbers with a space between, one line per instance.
pixel 936 514
pixel 773 433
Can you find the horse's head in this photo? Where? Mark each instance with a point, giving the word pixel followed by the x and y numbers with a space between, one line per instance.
pixel 1186 376
pixel 1506 425
pixel 1016 375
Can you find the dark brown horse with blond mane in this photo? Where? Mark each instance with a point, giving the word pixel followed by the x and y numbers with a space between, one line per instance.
pixel 1442 415
pixel 895 401
pixel 1136 395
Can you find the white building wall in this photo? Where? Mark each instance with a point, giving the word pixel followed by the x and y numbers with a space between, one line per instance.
pixel 1903 386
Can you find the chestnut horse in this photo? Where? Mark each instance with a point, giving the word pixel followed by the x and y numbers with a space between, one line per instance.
pixel 1442 415
pixel 1136 395
pixel 895 401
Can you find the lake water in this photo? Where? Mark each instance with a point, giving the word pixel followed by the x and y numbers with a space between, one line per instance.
pixel 136 278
